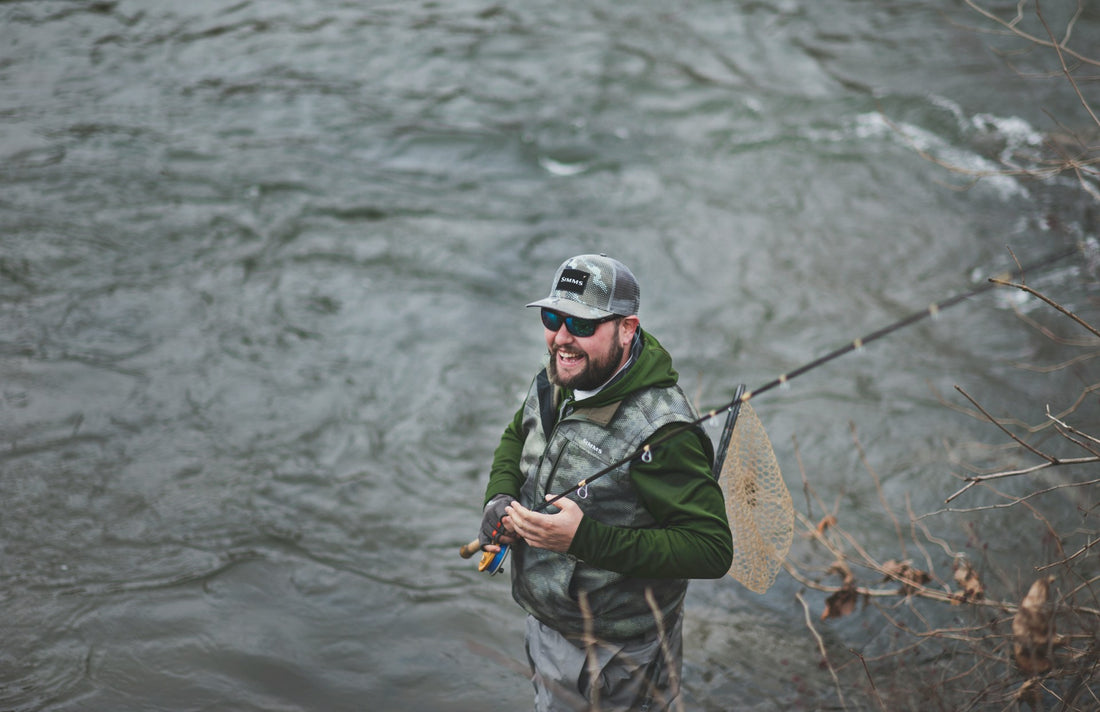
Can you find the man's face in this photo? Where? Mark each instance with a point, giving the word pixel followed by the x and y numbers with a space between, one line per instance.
pixel 587 362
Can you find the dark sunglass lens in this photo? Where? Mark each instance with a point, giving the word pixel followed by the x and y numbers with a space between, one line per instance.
pixel 551 320
pixel 580 327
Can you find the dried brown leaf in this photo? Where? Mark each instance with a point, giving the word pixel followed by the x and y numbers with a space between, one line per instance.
pixel 840 568
pixel 969 583
pixel 1033 629
pixel 904 571
pixel 841 603
pixel 825 523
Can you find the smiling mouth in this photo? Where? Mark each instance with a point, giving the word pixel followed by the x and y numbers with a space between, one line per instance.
pixel 568 358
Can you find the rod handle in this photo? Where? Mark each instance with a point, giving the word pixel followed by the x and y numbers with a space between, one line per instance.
pixel 470 549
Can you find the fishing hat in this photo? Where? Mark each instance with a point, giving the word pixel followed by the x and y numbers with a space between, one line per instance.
pixel 592 287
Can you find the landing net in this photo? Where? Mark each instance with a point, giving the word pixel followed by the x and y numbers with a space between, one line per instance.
pixel 758 504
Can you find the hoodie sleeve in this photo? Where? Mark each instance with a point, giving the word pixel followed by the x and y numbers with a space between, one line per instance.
pixel 504 474
pixel 692 539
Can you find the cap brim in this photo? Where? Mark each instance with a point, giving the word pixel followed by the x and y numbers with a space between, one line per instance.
pixel 571 308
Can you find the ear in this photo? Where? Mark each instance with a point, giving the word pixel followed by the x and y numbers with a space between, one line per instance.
pixel 627 327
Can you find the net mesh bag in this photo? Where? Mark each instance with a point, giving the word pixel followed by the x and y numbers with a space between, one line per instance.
pixel 758 504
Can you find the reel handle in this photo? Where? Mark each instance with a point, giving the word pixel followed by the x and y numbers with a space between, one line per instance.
pixel 470 549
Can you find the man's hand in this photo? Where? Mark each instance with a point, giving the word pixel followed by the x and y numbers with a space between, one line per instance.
pixel 554 532
pixel 493 522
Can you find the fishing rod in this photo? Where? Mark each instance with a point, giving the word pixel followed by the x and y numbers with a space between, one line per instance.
pixel 492 563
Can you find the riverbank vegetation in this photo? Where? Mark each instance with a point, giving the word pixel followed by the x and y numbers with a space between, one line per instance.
pixel 982 623
pixel 978 619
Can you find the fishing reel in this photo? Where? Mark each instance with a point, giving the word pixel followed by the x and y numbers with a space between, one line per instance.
pixel 491 561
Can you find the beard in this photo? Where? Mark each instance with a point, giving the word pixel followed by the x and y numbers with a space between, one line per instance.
pixel 596 371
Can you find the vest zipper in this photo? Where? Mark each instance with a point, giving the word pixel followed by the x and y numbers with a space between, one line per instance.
pixel 563 412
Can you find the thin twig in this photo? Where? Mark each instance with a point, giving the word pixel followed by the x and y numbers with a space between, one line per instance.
pixel 913 535
pixel 1070 429
pixel 1048 300
pixel 673 679
pixel 1006 505
pixel 1058 50
pixel 590 642
pixel 1050 458
pixel 878 485
pixel 870 679
pixel 909 587
pixel 1083 550
pixel 1081 397
pixel 1011 26
pixel 978 479
pixel 821 648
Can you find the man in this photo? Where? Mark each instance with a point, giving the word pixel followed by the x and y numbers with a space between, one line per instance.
pixel 609 563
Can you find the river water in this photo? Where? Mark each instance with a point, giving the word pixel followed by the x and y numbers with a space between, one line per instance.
pixel 262 268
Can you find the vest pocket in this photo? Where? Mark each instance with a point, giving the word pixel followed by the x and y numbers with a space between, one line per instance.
pixel 580 457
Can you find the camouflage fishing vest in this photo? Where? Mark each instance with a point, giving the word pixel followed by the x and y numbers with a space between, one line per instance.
pixel 585 441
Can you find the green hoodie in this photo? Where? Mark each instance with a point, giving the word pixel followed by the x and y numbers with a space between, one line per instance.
pixel 676 488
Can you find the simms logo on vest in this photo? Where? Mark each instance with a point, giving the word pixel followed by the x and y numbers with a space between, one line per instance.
pixel 572 280
pixel 591 445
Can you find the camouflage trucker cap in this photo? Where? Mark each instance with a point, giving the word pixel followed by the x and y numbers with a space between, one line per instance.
pixel 592 287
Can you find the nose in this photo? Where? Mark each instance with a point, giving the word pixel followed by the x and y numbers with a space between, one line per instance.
pixel 562 336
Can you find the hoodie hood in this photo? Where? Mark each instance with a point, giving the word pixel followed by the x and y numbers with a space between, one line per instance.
pixel 651 368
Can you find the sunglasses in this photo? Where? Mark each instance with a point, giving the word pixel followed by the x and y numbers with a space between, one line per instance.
pixel 575 325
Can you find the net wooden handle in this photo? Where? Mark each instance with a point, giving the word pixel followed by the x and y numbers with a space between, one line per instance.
pixel 470 549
